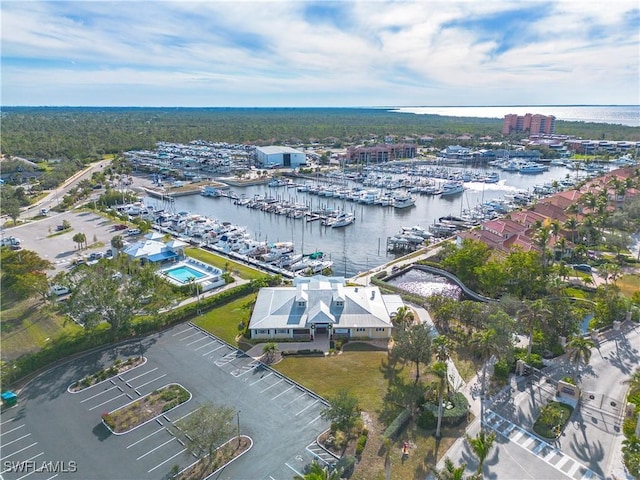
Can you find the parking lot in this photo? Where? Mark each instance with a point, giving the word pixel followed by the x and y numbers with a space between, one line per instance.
pixel 52 424
pixel 58 247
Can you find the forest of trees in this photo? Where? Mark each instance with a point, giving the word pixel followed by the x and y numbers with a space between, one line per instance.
pixel 86 133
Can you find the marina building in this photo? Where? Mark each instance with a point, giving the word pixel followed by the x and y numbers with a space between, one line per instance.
pixel 381 153
pixel 533 123
pixel 322 305
pixel 276 156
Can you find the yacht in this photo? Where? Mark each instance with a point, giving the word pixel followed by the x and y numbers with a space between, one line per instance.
pixel 403 201
pixel 452 188
pixel 343 220
pixel 532 167
pixel 417 230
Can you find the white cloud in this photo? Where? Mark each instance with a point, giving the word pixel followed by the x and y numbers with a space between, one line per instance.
pixel 268 53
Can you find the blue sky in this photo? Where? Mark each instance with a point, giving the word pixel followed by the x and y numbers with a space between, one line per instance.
pixel 323 53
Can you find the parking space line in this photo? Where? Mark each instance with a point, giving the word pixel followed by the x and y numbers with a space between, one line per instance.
pixel 198 332
pixel 182 331
pixel 294 470
pixel 314 420
pixel 6 421
pixel 144 438
pixel 28 474
pixel 184 416
pixel 51 478
pixel 307 407
pixel 260 379
pixel 12 430
pixel 168 459
pixel 271 386
pixel 151 381
pixel 198 340
pixel 97 394
pixel 142 374
pixel 110 400
pixel 16 440
pixel 154 449
pixel 205 345
pixel 297 398
pixel 21 450
pixel 283 392
pixel 221 346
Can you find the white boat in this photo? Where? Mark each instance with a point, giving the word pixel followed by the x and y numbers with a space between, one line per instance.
pixel 343 220
pixel 417 230
pixel 452 188
pixel 403 201
pixel 209 191
pixel 532 167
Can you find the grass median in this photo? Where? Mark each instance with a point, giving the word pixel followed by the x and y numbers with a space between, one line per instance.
pixel 223 263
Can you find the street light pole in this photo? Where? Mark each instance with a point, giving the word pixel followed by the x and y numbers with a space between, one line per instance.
pixel 238 415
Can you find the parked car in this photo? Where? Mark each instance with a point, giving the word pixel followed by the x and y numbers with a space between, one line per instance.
pixel 59 290
pixel 583 267
pixel 133 231
pixel 10 242
pixel 95 256
pixel 122 226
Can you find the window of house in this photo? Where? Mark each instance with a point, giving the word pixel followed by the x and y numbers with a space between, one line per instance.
pixel 380 329
pixel 282 330
pixel 360 329
pixel 302 304
pixel 263 331
pixel 339 303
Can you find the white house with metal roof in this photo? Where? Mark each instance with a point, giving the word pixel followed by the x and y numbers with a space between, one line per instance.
pixel 154 249
pixel 321 305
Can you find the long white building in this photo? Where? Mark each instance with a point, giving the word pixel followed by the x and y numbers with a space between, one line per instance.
pixel 276 156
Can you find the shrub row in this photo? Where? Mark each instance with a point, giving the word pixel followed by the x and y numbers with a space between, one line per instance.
pixel 454 415
pixel 397 425
pixel 68 345
pixel 362 441
pixel 305 351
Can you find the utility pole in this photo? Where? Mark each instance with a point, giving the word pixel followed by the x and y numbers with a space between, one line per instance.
pixel 238 415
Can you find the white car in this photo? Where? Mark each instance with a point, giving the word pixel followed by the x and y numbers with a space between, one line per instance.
pixel 59 290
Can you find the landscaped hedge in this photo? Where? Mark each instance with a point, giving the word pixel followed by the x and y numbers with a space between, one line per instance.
pixel 304 352
pixel 397 425
pixel 454 415
pixel 68 345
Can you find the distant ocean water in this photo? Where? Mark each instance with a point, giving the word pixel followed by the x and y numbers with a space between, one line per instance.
pixel 615 114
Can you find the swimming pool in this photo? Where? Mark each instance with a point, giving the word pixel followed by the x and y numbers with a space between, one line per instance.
pixel 184 273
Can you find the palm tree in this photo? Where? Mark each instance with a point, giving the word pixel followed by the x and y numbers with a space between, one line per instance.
pixel 442 347
pixel 269 350
pixel 451 472
pixel 481 446
pixel 440 370
pixel 572 225
pixel 634 382
pixel 316 472
pixel 532 314
pixel 117 242
pixel 484 345
pixel 579 350
pixel 402 318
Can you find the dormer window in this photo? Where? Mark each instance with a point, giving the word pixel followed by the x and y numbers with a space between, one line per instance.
pixel 302 303
pixel 339 303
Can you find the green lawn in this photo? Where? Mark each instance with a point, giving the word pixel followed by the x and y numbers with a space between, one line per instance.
pixel 223 321
pixel 552 420
pixel 629 284
pixel 27 327
pixel 223 263
pixel 364 374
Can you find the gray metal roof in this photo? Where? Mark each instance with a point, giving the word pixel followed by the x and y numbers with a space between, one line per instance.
pixel 284 307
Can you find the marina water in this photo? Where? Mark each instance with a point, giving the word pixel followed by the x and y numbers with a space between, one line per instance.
pixel 361 245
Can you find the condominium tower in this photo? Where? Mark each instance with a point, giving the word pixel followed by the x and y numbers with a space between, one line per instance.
pixel 531 123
